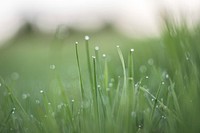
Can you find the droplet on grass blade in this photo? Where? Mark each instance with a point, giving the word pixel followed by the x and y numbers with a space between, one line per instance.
pixel 147 77
pixel 104 55
pixel 150 62
pixel 87 38
pixel 15 76
pixel 143 69
pixel 0 84
pixel 76 43
pixel 37 101
pixel 41 91
pixel 96 48
pixel 52 67
pixel 132 50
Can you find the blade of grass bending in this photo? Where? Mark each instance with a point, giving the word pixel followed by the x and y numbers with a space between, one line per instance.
pixel 123 67
pixel 155 101
pixel 79 71
pixel 175 99
pixel 14 99
pixel 6 120
pixel 161 104
pixel 88 59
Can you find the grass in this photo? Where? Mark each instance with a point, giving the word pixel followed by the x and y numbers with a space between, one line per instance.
pixel 144 86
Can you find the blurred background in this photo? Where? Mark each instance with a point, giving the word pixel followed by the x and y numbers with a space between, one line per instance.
pixel 132 18
pixel 38 35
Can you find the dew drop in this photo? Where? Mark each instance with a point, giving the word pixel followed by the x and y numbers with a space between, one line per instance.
pixel 13 110
pixel 104 55
pixel 132 50
pixel 15 76
pixel 163 83
pixel 41 91
pixel 87 38
pixel 133 114
pixel 76 43
pixel 166 76
pixel 96 48
pixel 107 89
pixel 49 103
pixel 147 77
pixel 93 57
pixel 0 84
pixel 117 46
pixel 150 61
pixel 52 67
pixel 25 96
pixel 163 117
pixel 112 80
pixel 152 99
pixel 143 69
pixel 37 101
pixel 110 85
pixel 72 100
pixel 31 116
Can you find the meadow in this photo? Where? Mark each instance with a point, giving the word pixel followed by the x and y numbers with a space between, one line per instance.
pixel 103 82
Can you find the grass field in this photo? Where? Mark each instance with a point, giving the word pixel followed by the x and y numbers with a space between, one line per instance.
pixel 108 83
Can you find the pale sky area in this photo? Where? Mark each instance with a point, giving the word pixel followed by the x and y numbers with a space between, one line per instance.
pixel 131 17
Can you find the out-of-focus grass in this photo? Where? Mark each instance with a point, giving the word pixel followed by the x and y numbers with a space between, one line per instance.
pixel 149 85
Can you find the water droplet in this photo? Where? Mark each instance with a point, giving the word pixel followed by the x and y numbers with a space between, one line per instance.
pixel 107 89
pixel 13 110
pixel 41 91
pixel 112 80
pixel 104 55
pixel 150 61
pixel 96 48
pixel 37 101
pixel 133 114
pixel 93 57
pixel 157 106
pixel 53 114
pixel 143 69
pixel 152 99
pixel 166 76
pixel 72 100
pixel 25 96
pixel 31 116
pixel 87 38
pixel 147 77
pixel 139 126
pixel 0 84
pixel 162 82
pixel 15 76
pixel 52 67
pixel 132 50
pixel 110 85
pixel 49 103
pixel 163 117
pixel 76 43
pixel 117 46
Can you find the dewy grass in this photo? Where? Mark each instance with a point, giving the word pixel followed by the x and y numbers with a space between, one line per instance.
pixel 163 96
